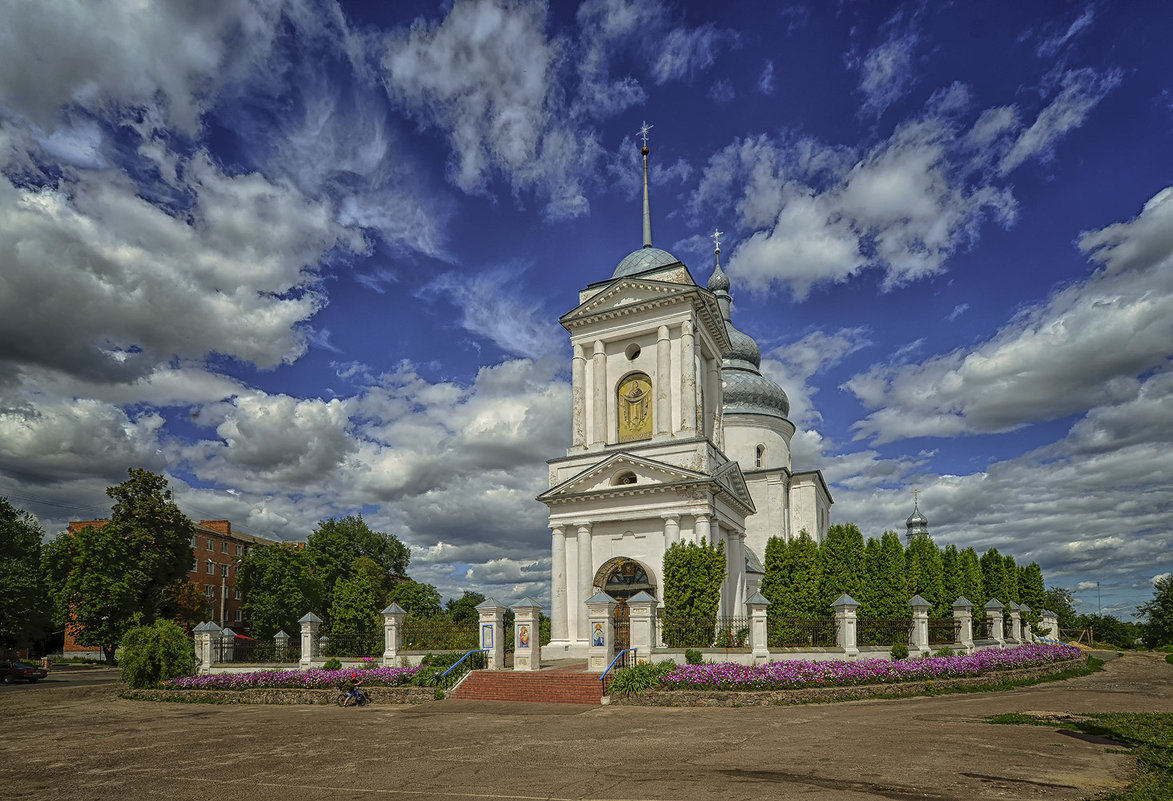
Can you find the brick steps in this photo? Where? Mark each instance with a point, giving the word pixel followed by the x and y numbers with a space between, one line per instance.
pixel 539 687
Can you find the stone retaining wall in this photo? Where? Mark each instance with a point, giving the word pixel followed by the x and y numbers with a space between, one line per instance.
pixel 807 695
pixel 272 695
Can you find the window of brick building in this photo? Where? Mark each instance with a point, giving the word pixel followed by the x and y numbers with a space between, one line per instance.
pixel 211 591
pixel 223 547
pixel 239 595
pixel 211 568
pixel 211 545
pixel 195 565
pixel 194 540
pixel 223 570
pixel 239 549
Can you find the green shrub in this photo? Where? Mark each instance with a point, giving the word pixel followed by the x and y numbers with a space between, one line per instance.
pixel 946 651
pixel 445 660
pixel 333 663
pixel 1169 659
pixel 640 677
pixel 428 677
pixel 693 657
pixel 150 654
pixel 899 650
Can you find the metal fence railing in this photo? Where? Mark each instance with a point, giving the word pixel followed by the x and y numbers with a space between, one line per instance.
pixel 353 644
pixel 711 632
pixel 800 632
pixel 429 634
pixel 944 630
pixel 883 631
pixel 245 650
pixel 982 630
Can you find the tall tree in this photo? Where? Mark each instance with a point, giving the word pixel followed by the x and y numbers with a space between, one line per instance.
pixel 23 599
pixel 1030 586
pixel 869 590
pixel 279 586
pixel 693 575
pixel 951 572
pixel 971 584
pixel 355 613
pixel 1158 612
pixel 336 543
pixel 418 600
pixel 1010 580
pixel 105 579
pixel 924 576
pixel 464 608
pixel 993 575
pixel 890 583
pixel 1060 601
pixel 841 563
pixel 804 560
pixel 778 582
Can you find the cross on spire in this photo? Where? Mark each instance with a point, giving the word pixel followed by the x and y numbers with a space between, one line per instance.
pixel 716 237
pixel 643 133
pixel 915 494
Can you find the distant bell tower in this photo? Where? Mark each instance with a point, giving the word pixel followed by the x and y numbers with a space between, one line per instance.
pixel 916 523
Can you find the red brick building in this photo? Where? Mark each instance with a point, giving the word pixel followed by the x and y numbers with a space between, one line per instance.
pixel 218 550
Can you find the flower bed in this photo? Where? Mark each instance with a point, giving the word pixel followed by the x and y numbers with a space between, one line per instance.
pixel 293 679
pixel 795 674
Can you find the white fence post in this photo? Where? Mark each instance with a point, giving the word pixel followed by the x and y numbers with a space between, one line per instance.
pixel 310 624
pixel 758 635
pixel 493 632
pixel 845 623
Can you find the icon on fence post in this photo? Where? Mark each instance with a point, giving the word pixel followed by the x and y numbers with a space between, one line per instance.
pixel 487 636
pixel 597 636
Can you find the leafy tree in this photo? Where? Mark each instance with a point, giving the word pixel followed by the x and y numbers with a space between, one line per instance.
pixel 869 596
pixel 151 654
pixel 418 600
pixel 1062 603
pixel 951 573
pixel 1108 629
pixel 23 600
pixel 993 575
pixel 336 544
pixel 279 586
pixel 356 611
pixel 464 608
pixel 693 575
pixel 889 578
pixel 1158 612
pixel 105 579
pixel 778 581
pixel 971 585
pixel 185 604
pixel 841 563
pixel 1030 586
pixel 922 562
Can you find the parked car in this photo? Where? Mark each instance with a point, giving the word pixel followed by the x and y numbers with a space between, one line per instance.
pixel 11 671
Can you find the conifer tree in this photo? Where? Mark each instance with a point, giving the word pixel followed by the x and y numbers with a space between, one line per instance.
pixel 693 575
pixel 1010 577
pixel 923 564
pixel 993 578
pixel 970 586
pixel 869 588
pixel 804 559
pixel 1031 589
pixel 778 583
pixel 841 563
pixel 890 598
pixel 951 573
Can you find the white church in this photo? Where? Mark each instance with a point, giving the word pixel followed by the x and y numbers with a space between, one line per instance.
pixel 677 437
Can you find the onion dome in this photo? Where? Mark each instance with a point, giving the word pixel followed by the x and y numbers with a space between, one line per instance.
pixel 916 523
pixel 747 391
pixel 646 258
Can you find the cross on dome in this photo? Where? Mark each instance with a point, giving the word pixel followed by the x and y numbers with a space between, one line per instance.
pixel 716 236
pixel 643 132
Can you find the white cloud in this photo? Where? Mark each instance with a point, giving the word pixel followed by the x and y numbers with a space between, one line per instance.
pixel 1050 46
pixel 886 72
pixel 791 365
pixel 766 79
pixel 1087 346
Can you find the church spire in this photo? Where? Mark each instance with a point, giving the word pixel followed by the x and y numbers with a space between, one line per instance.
pixel 643 132
pixel 718 281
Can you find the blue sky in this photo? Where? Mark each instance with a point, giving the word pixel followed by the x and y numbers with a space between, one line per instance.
pixel 307 258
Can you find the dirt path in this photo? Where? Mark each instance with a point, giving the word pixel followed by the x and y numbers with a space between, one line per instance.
pixel 70 736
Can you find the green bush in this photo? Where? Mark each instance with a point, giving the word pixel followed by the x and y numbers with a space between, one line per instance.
pixel 1169 659
pixel 333 663
pixel 946 651
pixel 899 650
pixel 445 660
pixel 428 677
pixel 693 657
pixel 640 677
pixel 150 654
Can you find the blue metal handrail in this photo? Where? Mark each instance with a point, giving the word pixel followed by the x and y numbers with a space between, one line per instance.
pixel 445 681
pixel 618 656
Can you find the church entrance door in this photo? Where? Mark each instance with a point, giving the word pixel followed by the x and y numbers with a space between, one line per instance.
pixel 622 625
pixel 622 578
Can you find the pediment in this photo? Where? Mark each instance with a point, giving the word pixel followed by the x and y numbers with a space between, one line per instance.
pixel 730 478
pixel 621 472
pixel 626 293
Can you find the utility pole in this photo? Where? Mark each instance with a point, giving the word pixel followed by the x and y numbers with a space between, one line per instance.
pixel 1099 604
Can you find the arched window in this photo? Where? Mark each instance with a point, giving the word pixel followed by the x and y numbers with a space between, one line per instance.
pixel 633 399
pixel 759 456
pixel 626 477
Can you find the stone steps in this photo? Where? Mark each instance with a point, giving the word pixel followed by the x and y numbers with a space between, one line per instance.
pixel 554 687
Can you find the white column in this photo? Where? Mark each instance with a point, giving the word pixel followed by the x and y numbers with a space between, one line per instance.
pixel 687 378
pixel 599 396
pixel 558 622
pixel 737 539
pixel 586 578
pixel 578 397
pixel 729 586
pixel 700 529
pixel 718 436
pixel 663 383
pixel 671 530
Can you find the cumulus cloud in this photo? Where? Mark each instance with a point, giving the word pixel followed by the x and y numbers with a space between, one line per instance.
pixel 813 213
pixel 1089 345
pixel 792 365
pixel 886 72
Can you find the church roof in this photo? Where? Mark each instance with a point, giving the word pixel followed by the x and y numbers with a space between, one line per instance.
pixel 646 258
